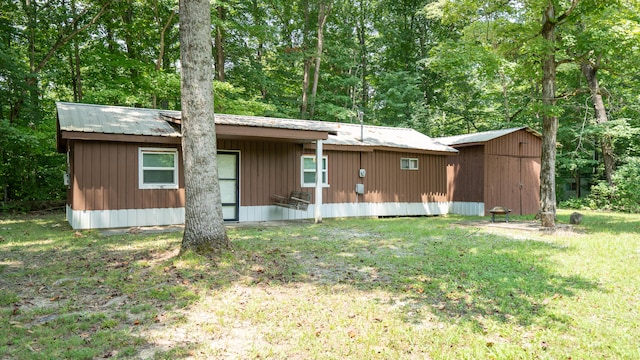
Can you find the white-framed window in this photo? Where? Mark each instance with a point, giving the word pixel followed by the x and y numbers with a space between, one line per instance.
pixel 409 163
pixel 158 168
pixel 308 166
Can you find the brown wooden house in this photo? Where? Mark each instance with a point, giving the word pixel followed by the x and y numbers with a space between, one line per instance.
pixel 125 167
pixel 494 168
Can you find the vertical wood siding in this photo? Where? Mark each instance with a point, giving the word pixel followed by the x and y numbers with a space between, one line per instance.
pixel 105 177
pixel 513 183
pixel 502 172
pixel 519 144
pixel 465 175
pixel 384 180
pixel 266 169
pixel 513 172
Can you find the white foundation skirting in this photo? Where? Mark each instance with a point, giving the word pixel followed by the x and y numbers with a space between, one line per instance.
pixel 467 208
pixel 101 219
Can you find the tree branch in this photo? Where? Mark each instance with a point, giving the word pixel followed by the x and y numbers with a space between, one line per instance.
pixel 566 14
pixel 63 40
pixel 572 94
pixel 162 33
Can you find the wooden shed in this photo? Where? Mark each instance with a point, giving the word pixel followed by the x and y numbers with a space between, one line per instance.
pixel 494 168
pixel 125 167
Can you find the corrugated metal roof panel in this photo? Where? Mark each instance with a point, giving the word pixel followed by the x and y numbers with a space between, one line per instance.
pixel 89 118
pixel 152 122
pixel 381 136
pixel 263 122
pixel 479 137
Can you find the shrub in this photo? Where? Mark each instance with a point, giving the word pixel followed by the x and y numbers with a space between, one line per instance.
pixel 576 203
pixel 627 186
pixel 624 195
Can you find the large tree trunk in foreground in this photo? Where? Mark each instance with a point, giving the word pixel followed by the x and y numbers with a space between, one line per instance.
pixel 549 125
pixel 549 119
pixel 590 73
pixel 204 230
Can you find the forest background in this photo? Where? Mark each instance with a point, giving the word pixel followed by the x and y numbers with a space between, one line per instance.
pixel 441 67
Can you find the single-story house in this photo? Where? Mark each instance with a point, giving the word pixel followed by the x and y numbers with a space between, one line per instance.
pixel 125 167
pixel 494 168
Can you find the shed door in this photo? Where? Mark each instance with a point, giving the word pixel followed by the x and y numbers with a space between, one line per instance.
pixel 514 183
pixel 530 188
pixel 229 180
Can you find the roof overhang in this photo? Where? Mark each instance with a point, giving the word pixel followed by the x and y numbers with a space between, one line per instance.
pixel 227 127
pixel 224 131
pixel 364 148
pixel 65 136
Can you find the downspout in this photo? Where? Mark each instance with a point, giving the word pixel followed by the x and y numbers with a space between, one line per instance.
pixel 360 115
pixel 318 212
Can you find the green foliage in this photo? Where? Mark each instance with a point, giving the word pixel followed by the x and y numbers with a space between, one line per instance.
pixel 627 186
pixel 29 169
pixel 624 195
pixel 577 204
pixel 442 67
pixel 233 100
pixel 602 196
pixel 397 93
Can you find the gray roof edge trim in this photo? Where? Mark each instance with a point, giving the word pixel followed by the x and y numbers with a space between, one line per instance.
pixel 473 138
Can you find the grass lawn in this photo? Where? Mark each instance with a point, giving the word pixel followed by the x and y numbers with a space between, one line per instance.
pixel 402 288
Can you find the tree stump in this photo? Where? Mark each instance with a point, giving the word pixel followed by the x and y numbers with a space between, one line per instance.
pixel 548 219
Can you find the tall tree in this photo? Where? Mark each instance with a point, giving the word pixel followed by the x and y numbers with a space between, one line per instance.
pixel 204 226
pixel 550 21
pixel 40 54
pixel 306 64
pixel 221 12
pixel 323 12
pixel 590 71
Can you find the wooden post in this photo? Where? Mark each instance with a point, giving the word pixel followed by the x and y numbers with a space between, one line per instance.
pixel 318 211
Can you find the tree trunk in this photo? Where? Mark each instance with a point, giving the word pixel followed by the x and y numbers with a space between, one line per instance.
pixel 260 61
pixel 76 71
pixel 306 63
pixel 161 47
pixel 362 32
pixel 590 73
pixel 220 74
pixel 128 18
pixel 549 123
pixel 323 13
pixel 256 10
pixel 204 230
pixel 78 82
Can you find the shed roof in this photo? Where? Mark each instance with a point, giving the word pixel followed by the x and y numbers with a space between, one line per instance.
pixel 385 137
pixel 482 137
pixel 118 120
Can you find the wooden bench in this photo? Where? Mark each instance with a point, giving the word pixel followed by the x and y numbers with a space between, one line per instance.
pixel 499 210
pixel 298 200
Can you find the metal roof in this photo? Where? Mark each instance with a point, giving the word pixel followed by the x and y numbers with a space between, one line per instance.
pixel 381 136
pixel 481 137
pixel 88 118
